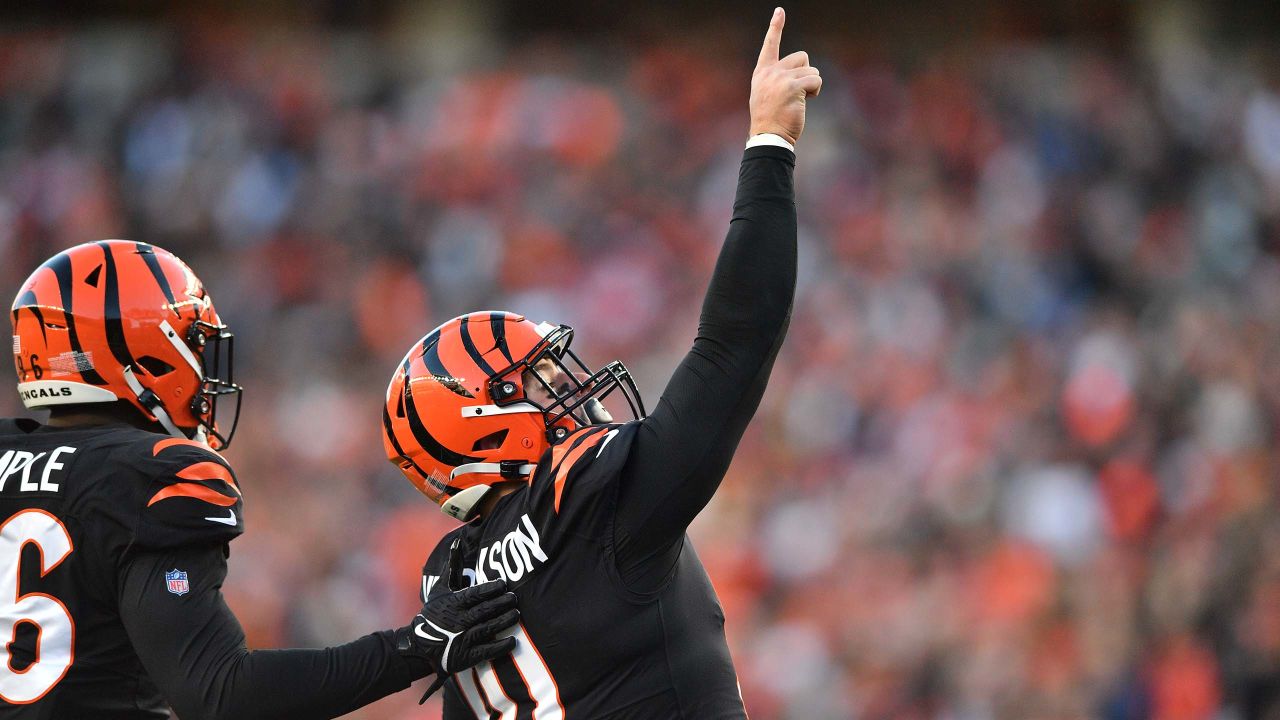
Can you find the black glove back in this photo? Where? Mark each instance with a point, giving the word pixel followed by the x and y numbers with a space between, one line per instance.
pixel 460 628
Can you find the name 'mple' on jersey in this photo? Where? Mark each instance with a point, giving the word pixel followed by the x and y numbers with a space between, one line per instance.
pixel 587 646
pixel 74 504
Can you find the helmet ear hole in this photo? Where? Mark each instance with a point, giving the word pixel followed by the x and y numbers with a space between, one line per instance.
pixel 492 441
pixel 154 366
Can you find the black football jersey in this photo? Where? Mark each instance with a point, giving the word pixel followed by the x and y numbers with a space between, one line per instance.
pixel 588 647
pixel 74 503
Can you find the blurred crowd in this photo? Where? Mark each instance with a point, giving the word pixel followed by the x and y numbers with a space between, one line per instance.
pixel 1017 459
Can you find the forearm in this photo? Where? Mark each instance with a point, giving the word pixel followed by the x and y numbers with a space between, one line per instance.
pixel 299 683
pixel 750 294
pixel 684 447
pixel 194 650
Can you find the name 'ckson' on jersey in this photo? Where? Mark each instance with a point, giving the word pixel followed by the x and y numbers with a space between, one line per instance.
pixel 513 557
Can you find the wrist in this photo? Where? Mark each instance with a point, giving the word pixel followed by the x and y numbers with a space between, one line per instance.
pixel 770 138
pixel 415 662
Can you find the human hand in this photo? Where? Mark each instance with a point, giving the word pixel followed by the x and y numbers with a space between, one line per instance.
pixel 460 628
pixel 779 87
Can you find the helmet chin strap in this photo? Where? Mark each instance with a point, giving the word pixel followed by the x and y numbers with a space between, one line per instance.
pixel 461 505
pixel 149 401
pixel 200 434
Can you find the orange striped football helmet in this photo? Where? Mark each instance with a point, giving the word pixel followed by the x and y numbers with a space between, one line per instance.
pixel 119 320
pixel 479 400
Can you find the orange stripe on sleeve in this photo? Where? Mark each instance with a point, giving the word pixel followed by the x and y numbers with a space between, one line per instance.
pixel 209 471
pixel 193 490
pixel 562 472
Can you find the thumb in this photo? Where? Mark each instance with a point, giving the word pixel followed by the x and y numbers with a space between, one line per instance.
pixel 453 567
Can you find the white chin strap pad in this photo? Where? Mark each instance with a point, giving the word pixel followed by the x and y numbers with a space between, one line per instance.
pixel 460 505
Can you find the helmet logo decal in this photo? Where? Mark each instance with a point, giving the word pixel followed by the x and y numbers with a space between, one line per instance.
pixel 71 362
pixel 438 481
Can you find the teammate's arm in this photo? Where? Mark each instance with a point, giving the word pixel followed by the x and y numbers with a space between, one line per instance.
pixel 684 447
pixel 193 648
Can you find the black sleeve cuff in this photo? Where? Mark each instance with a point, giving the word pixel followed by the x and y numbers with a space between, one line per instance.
pixel 769 151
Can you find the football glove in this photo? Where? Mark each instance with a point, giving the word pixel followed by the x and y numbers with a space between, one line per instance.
pixel 460 628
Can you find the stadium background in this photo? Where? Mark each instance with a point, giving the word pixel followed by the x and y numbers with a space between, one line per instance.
pixel 1018 456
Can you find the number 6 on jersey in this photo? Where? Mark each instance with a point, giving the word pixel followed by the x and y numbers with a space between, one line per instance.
pixel 54 646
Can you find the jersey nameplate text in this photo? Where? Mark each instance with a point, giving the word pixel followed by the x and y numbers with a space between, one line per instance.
pixel 22 471
pixel 514 556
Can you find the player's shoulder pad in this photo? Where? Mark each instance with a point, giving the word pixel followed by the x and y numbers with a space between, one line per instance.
pixel 589 458
pixel 190 496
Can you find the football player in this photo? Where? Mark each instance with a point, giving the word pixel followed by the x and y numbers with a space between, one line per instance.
pixel 116 515
pixel 496 419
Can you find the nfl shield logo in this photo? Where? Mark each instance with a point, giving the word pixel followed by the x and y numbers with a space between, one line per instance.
pixel 176 581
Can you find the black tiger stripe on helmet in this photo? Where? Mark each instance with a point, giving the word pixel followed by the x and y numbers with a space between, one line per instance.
pixel 148 255
pixel 113 320
pixel 468 344
pixel 426 440
pixel 60 265
pixel 498 326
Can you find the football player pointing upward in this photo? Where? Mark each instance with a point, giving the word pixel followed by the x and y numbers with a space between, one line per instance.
pixel 495 418
pixel 116 515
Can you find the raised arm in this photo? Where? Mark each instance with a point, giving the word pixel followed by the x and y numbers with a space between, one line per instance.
pixel 684 447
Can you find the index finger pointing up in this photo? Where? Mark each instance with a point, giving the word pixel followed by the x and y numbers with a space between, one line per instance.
pixel 772 38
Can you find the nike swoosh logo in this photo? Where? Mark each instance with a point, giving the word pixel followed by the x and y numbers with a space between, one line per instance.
pixel 612 434
pixel 448 645
pixel 428 636
pixel 229 520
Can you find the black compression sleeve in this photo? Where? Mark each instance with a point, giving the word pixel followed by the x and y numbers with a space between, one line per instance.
pixel 193 648
pixel 684 447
